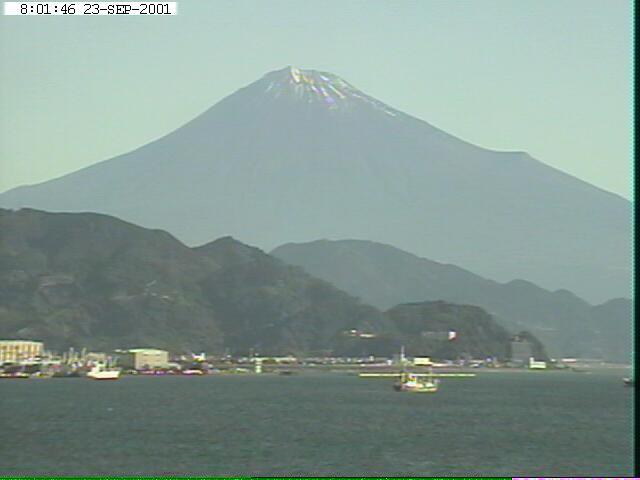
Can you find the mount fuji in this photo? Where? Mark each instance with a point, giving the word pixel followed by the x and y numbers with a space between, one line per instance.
pixel 301 155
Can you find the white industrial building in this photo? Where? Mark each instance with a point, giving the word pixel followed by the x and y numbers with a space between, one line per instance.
pixel 144 358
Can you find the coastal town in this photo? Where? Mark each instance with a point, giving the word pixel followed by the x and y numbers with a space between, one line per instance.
pixel 29 359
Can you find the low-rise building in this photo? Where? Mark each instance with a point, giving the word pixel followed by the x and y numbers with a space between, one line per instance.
pixel 422 361
pixel 144 358
pixel 20 350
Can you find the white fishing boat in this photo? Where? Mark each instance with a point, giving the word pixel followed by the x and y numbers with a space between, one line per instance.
pixel 411 382
pixel 102 372
pixel 415 382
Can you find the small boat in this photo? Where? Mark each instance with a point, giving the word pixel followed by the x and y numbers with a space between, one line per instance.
pixel 100 372
pixel 14 375
pixel 628 382
pixel 411 382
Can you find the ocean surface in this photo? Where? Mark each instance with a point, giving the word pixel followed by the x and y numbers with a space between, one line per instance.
pixel 498 423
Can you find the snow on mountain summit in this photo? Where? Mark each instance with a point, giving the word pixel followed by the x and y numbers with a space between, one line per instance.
pixel 322 88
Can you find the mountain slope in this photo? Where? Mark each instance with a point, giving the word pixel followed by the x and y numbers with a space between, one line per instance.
pixel 300 155
pixel 271 307
pixel 478 335
pixel 384 276
pixel 89 280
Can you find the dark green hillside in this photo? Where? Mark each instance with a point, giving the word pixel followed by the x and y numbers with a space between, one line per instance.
pixel 477 334
pixel 270 307
pixel 89 280
pixel 384 276
pixel 93 280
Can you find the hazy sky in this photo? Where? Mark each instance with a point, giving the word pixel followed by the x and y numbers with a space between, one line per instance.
pixel 549 77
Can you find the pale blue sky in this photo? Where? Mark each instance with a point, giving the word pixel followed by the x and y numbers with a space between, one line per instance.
pixel 549 77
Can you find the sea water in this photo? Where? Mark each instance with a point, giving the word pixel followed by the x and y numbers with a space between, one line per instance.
pixel 503 423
